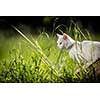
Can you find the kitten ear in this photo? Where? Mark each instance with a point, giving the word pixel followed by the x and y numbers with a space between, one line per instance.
pixel 65 36
pixel 58 35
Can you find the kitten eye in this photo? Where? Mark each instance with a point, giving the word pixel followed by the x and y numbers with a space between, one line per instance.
pixel 60 43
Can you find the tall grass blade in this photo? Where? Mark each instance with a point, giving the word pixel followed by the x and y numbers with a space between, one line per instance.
pixel 45 59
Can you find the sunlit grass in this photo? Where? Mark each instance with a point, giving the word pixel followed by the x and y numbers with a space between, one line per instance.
pixel 22 64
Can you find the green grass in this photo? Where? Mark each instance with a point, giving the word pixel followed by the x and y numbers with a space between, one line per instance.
pixel 20 62
pixel 38 62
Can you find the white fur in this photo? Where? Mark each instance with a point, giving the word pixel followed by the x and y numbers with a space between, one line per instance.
pixel 85 52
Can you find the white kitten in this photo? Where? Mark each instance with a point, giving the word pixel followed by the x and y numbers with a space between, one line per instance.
pixel 85 52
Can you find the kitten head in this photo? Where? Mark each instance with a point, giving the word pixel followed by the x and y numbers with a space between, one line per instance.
pixel 64 41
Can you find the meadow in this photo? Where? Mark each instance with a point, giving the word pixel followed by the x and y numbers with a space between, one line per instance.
pixel 37 59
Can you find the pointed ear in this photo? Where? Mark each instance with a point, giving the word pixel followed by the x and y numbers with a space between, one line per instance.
pixel 58 35
pixel 65 36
